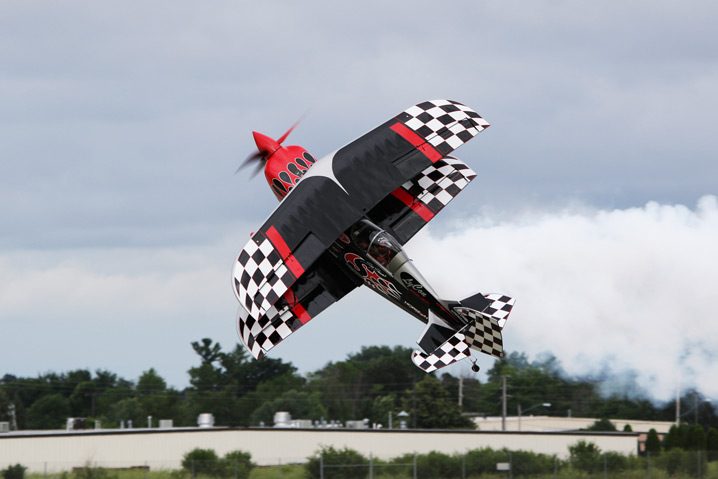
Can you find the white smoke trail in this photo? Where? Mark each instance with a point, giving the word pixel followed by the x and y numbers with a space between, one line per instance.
pixel 627 290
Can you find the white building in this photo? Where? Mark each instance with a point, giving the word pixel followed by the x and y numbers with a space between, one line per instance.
pixel 53 451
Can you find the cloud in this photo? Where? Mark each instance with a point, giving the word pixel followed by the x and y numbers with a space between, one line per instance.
pixel 623 290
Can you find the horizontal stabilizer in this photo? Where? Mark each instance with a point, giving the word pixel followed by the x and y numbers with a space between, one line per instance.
pixel 434 334
pixel 455 349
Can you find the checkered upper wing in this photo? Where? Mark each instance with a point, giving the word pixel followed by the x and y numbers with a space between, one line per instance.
pixel 444 124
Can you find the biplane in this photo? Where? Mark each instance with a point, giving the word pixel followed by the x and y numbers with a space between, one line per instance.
pixel 341 223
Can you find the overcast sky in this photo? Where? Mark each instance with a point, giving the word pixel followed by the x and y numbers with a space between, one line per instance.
pixel 595 202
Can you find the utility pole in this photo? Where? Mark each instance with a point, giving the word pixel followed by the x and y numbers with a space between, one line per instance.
pixel 503 400
pixel 13 420
pixel 414 415
pixel 461 391
pixel 518 410
pixel 678 405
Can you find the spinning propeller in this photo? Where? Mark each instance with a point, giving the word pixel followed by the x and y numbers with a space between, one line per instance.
pixel 266 147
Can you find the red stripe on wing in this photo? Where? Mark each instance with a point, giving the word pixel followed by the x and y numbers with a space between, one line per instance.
pixel 301 313
pixel 284 251
pixel 418 142
pixel 417 206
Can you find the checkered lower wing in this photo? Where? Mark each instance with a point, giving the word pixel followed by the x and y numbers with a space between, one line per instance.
pixel 454 349
pixel 260 277
pixel 444 124
pixel 411 206
pixel 261 335
pixel 483 333
pixel 438 184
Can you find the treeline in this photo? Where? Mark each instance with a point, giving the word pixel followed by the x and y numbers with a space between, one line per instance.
pixel 370 384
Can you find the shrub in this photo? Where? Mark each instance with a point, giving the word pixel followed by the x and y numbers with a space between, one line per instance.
pixel 14 472
pixel 437 465
pixel 205 461
pixel 680 462
pixel 483 461
pixel 585 456
pixel 237 464
pixel 202 461
pixel 338 457
pixel 523 463
pixel 89 472
pixel 615 461
pixel 527 463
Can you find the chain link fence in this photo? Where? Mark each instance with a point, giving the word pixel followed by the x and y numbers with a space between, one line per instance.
pixel 486 464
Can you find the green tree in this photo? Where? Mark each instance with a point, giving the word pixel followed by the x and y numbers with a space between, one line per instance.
pixel 676 437
pixel 156 399
pixel 49 412
pixel 222 382
pixel 712 444
pixel 348 389
pixel 4 406
pixel 435 409
pixel 129 409
pixel 653 443
pixel 208 350
pixel 151 383
pixel 300 404
pixel 696 439
pixel 602 424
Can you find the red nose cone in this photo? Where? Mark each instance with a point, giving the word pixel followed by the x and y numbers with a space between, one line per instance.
pixel 265 144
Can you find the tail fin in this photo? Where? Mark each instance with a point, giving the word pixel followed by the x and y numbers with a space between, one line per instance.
pixel 497 306
pixel 485 314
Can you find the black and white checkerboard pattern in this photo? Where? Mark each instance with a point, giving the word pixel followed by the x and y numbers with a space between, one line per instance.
pixel 440 183
pixel 445 124
pixel 500 308
pixel 455 349
pixel 260 277
pixel 261 335
pixel 483 333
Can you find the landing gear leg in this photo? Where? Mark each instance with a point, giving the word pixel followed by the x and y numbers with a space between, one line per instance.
pixel 475 367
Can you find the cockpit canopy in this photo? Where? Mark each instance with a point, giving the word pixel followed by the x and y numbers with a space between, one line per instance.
pixel 375 242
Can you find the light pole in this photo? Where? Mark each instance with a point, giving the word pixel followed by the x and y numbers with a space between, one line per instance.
pixel 545 404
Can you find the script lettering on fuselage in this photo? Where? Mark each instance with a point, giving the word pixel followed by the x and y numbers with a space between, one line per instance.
pixel 413 285
pixel 373 277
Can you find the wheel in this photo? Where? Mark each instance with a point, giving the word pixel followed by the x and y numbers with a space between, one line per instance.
pixel 475 368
